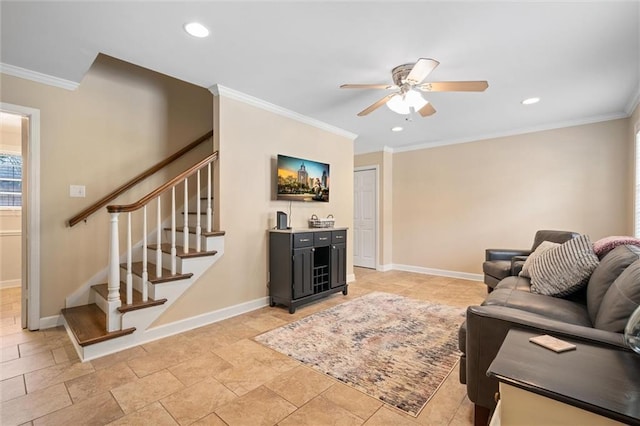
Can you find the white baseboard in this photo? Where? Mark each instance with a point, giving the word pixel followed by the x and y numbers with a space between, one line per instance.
pixel 10 283
pixel 351 278
pixel 50 322
pixel 438 272
pixel 384 268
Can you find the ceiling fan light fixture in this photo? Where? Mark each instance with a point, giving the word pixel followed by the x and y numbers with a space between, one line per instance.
pixel 196 29
pixel 402 104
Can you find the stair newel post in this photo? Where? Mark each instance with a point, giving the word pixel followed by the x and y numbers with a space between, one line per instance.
pixel 185 229
pixel 209 209
pixel 113 281
pixel 198 209
pixel 159 240
pixel 145 273
pixel 129 273
pixel 173 230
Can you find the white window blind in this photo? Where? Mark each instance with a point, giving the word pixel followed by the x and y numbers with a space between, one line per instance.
pixel 637 197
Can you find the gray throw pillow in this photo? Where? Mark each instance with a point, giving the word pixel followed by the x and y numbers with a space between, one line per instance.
pixel 622 298
pixel 565 269
pixel 610 268
pixel 542 247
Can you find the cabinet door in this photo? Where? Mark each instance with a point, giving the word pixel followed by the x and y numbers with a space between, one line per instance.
pixel 338 264
pixel 302 272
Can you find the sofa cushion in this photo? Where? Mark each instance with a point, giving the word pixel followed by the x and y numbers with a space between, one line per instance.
pixel 565 269
pixel 549 307
pixel 610 268
pixel 619 302
pixel 515 283
pixel 542 247
pixel 605 245
pixel 497 268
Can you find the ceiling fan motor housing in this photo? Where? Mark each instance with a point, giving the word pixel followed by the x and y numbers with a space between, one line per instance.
pixel 400 73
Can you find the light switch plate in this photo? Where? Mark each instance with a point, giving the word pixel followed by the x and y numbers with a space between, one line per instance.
pixel 77 191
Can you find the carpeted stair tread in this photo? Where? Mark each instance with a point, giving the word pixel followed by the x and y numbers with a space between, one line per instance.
pixel 136 302
pixel 89 325
pixel 136 269
pixel 166 248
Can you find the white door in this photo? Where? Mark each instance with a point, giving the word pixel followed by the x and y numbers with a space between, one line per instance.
pixel 364 221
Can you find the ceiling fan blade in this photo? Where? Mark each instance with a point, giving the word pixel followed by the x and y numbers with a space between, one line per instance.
pixel 369 86
pixel 427 110
pixel 454 86
pixel 376 105
pixel 421 70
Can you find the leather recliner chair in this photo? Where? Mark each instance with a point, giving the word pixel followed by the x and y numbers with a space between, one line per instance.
pixel 502 263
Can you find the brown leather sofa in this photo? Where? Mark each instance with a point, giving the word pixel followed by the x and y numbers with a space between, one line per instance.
pixel 597 313
pixel 502 263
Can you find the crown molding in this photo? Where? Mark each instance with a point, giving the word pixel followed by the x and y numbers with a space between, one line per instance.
pixel 38 77
pixel 515 132
pixel 219 90
pixel 633 103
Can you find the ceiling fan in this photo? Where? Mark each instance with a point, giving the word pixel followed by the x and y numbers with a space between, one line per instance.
pixel 408 82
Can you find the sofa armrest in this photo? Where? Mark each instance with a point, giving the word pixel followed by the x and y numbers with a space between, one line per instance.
pixel 487 327
pixel 517 262
pixel 505 254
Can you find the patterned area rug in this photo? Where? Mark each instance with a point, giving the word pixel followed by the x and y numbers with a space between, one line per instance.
pixel 396 349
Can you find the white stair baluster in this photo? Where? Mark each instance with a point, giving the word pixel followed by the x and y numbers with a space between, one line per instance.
pixel 145 273
pixel 159 242
pixel 173 231
pixel 198 227
pixel 129 273
pixel 209 210
pixel 185 229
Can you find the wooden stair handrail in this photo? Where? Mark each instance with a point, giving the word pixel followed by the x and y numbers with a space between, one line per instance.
pixel 84 214
pixel 162 188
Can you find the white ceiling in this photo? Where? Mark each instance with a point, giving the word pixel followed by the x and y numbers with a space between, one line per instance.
pixel 581 58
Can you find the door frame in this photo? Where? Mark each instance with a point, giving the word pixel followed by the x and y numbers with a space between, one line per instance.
pixel 376 169
pixel 31 217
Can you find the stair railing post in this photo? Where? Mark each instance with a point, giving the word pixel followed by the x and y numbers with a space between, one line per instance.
pixel 209 209
pixel 159 240
pixel 173 231
pixel 198 210
pixel 185 228
pixel 129 254
pixel 113 279
pixel 145 272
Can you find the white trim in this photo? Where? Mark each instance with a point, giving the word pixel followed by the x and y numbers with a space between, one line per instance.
pixel 376 169
pixel 11 283
pixel 385 268
pixel 38 77
pixel 10 233
pixel 633 103
pixel 51 322
pixel 351 278
pixel 31 239
pixel 438 272
pixel 219 90
pixel 506 133
pixel 116 345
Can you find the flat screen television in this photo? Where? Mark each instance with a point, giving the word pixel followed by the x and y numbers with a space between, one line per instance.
pixel 302 180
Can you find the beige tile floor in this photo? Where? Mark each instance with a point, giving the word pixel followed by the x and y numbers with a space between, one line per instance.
pixel 214 375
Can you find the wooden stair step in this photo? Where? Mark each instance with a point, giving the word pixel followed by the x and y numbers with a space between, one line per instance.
pixel 136 302
pixel 166 248
pixel 136 268
pixel 89 325
pixel 192 230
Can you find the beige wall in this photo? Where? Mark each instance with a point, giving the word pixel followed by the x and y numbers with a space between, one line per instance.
pixel 450 203
pixel 10 220
pixel 120 120
pixel 384 161
pixel 249 140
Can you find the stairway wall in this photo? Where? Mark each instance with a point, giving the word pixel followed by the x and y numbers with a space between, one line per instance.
pixel 120 120
pixel 249 140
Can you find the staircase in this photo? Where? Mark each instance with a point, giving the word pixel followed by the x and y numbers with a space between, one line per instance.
pixel 148 277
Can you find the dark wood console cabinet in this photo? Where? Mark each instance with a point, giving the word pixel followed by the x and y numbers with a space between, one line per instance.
pixel 306 265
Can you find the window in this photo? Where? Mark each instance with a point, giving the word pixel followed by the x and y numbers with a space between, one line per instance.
pixel 637 197
pixel 10 180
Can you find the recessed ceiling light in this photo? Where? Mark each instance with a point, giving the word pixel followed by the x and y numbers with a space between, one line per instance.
pixel 197 30
pixel 530 101
pixel 396 129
